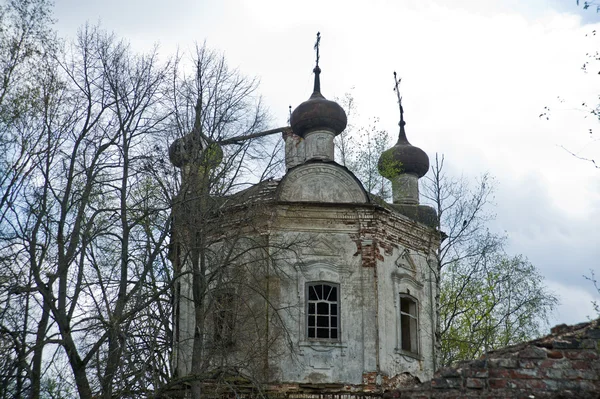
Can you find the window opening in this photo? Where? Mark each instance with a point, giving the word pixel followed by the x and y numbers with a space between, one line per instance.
pixel 224 320
pixel 408 324
pixel 323 311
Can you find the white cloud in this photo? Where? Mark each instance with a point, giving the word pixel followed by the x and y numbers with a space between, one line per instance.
pixel 576 303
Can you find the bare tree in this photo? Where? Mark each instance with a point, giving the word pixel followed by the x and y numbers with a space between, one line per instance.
pixel 86 211
pixel 89 224
pixel 26 42
pixel 487 298
pixel 226 315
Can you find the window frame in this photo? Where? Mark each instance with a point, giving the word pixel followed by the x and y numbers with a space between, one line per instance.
pixel 415 317
pixel 307 303
pixel 223 319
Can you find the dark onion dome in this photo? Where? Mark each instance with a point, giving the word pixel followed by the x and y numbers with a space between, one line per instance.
pixel 190 148
pixel 403 158
pixel 318 113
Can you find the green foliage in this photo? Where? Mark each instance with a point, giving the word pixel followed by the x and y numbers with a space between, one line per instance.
pixel 388 166
pixel 491 304
pixel 56 389
pixel 359 149
pixel 488 299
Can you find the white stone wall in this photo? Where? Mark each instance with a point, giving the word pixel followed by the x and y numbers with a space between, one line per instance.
pixel 369 304
pixel 324 230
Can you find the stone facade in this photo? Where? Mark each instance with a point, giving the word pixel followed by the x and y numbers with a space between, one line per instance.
pixel 307 280
pixel 321 227
pixel 564 364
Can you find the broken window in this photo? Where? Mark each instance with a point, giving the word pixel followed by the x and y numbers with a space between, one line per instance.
pixel 408 324
pixel 224 320
pixel 322 311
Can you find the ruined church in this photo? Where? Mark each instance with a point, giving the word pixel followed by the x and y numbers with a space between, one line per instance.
pixel 307 280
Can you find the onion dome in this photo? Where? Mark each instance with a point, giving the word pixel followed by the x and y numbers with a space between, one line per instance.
pixel 318 113
pixel 403 158
pixel 190 148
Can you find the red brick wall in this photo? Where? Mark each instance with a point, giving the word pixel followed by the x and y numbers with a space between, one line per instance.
pixel 564 364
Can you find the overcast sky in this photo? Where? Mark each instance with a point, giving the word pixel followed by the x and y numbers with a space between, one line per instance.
pixel 476 76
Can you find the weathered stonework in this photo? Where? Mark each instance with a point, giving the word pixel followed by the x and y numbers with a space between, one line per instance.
pixel 564 364
pixel 321 182
pixel 319 225
pixel 308 283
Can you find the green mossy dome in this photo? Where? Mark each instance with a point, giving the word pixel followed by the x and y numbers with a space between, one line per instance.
pixel 403 158
pixel 190 149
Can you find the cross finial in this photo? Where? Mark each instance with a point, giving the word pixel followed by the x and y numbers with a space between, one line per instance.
pixel 397 81
pixel 317 43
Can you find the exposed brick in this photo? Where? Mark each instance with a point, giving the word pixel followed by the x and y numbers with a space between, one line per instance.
pixel 533 352
pixel 555 354
pixel 475 373
pixel 593 333
pixel 589 344
pixel 530 364
pixel 499 373
pixel 569 343
pixel 475 383
pixel 525 373
pixel 564 366
pixel 581 354
pixel 559 329
pixel 478 364
pixel 581 364
pixel 531 384
pixel 503 363
pixel 439 383
pixel 557 364
pixel 496 383
pixel 448 372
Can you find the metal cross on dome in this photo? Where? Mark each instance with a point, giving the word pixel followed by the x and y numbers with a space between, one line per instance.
pixel 317 43
pixel 397 90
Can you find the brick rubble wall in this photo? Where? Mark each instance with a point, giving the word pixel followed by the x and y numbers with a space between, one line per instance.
pixel 564 364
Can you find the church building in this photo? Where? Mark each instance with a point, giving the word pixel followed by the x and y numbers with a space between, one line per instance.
pixel 307 280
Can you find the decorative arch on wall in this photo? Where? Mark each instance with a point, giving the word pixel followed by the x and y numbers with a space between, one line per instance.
pixel 325 182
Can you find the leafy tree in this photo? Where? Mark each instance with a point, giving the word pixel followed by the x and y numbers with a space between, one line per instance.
pixel 477 308
pixel 487 306
pixel 488 299
pixel 359 149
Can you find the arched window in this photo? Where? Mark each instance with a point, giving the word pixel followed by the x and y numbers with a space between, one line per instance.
pixel 322 311
pixel 409 324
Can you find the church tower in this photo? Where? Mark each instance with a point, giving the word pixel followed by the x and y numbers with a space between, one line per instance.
pixel 308 281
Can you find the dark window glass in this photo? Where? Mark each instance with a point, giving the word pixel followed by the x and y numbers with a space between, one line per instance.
pixel 322 311
pixel 408 324
pixel 224 320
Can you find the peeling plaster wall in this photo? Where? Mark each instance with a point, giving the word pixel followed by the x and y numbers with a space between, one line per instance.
pixel 374 256
pixel 331 234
